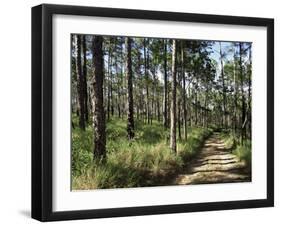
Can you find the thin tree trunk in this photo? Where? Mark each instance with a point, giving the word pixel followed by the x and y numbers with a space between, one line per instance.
pixel 80 85
pixel 97 100
pixel 179 104
pixel 243 109
pixel 146 79
pixel 223 88
pixel 158 107
pixel 235 93
pixel 165 99
pixel 173 124
pixel 183 92
pixel 196 109
pixel 85 79
pixel 118 81
pixel 249 95
pixel 153 105
pixel 109 81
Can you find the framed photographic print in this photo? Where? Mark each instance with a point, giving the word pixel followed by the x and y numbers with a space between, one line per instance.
pixel 146 112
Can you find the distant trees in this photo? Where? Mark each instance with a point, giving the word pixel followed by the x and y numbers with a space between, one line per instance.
pixel 179 84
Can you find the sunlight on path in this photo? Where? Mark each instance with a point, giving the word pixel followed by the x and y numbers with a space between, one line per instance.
pixel 214 164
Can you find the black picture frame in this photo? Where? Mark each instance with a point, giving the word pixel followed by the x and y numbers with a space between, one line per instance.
pixel 42 111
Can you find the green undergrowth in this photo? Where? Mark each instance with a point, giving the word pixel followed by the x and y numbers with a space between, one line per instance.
pixel 147 160
pixel 242 151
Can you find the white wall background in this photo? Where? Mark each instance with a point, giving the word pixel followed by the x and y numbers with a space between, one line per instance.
pixel 15 113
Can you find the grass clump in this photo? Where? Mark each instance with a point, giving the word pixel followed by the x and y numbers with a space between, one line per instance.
pixel 189 148
pixel 229 140
pixel 244 152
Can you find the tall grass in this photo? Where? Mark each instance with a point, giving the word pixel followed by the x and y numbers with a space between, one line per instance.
pixel 189 148
pixel 145 161
pixel 242 151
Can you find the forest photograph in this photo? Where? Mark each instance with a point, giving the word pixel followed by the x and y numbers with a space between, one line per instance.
pixel 159 111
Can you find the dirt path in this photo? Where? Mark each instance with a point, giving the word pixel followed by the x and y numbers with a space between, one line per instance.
pixel 214 164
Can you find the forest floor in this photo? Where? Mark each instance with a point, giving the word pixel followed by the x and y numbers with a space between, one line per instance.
pixel 204 157
pixel 214 164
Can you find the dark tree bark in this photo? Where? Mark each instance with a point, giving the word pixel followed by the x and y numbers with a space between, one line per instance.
pixel 97 100
pixel 80 85
pixel 173 123
pixel 130 101
pixel 165 99
pixel 85 78
pixel 250 94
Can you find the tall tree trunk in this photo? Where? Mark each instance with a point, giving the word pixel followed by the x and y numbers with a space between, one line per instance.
pixel 97 100
pixel 250 94
pixel 196 108
pixel 183 92
pixel 165 99
pixel 80 85
pixel 140 88
pixel 173 124
pixel 130 101
pixel 109 82
pixel 235 93
pixel 118 80
pixel 223 88
pixel 179 87
pixel 153 105
pixel 146 79
pixel 243 109
pixel 85 88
